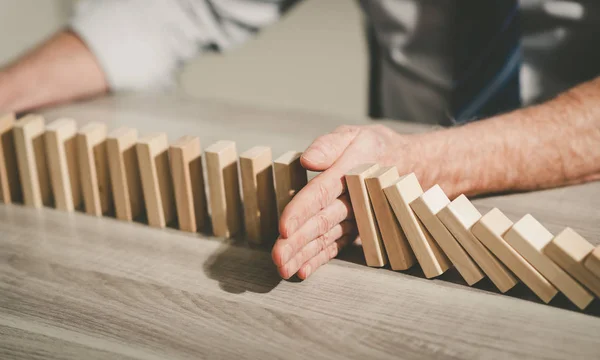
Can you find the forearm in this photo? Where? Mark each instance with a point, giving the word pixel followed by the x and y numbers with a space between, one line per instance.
pixel 61 69
pixel 548 145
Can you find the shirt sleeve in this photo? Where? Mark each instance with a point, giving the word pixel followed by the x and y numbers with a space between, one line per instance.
pixel 141 43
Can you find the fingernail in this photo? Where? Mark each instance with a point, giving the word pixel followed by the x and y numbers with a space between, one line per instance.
pixel 314 156
pixel 307 271
pixel 286 253
pixel 292 225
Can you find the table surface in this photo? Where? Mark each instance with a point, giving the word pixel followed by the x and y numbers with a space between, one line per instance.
pixel 74 286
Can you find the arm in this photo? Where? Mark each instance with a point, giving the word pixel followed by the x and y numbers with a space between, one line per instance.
pixel 548 145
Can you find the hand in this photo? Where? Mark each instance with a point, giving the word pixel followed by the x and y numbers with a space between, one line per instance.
pixel 318 221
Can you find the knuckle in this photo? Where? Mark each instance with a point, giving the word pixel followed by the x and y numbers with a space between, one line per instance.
pixel 323 223
pixel 324 194
pixel 332 251
pixel 322 243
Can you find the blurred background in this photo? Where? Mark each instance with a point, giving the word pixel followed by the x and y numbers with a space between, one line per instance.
pixel 319 47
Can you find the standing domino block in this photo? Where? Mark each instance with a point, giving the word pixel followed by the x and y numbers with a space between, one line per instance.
pixel 592 262
pixel 10 187
pixel 363 212
pixel 260 206
pixel 93 169
pixel 569 250
pixel 224 188
pixel 185 156
pixel 459 216
pixel 61 149
pixel 31 157
pixel 489 230
pixel 528 237
pixel 431 258
pixel 397 248
pixel 157 184
pixel 290 177
pixel 427 206
pixel 125 173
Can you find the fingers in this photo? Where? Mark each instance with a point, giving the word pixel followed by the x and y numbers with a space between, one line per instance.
pixel 286 248
pixel 324 256
pixel 315 247
pixel 326 149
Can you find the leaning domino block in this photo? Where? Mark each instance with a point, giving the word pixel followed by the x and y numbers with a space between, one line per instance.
pixel 569 250
pixel 31 156
pixel 489 230
pixel 397 247
pixel 289 176
pixel 427 206
pixel 185 156
pixel 528 237
pixel 93 169
pixel 429 255
pixel 125 173
pixel 157 184
pixel 592 262
pixel 260 206
pixel 363 212
pixel 224 188
pixel 10 187
pixel 61 150
pixel 459 216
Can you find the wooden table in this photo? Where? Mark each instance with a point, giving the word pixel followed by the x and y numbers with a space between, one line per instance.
pixel 77 287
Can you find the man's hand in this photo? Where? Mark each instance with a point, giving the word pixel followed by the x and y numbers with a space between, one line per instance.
pixel 318 221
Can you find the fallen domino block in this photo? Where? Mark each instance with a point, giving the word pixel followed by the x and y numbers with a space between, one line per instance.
pixel 427 206
pixel 569 250
pixel 125 173
pixel 93 169
pixel 399 253
pixel 224 188
pixel 289 176
pixel 10 187
pixel 157 184
pixel 431 258
pixel 489 230
pixel 61 150
pixel 185 156
pixel 258 189
pixel 459 216
pixel 528 237
pixel 363 213
pixel 31 157
pixel 592 262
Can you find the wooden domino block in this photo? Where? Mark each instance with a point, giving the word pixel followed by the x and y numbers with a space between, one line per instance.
pixel 185 156
pixel 432 259
pixel 61 149
pixel 10 187
pixel 157 183
pixel 528 237
pixel 93 169
pixel 290 177
pixel 427 206
pixel 489 230
pixel 260 206
pixel 224 188
pixel 399 253
pixel 368 231
pixel 31 158
pixel 592 262
pixel 569 251
pixel 125 173
pixel 459 216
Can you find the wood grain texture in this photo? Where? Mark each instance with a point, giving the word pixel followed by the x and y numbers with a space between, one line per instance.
pixel 432 259
pixel 125 173
pixel 31 159
pixel 398 249
pixel 592 263
pixel 157 183
pixel 368 230
pixel 289 176
pixel 185 156
pixel 489 230
pixel 10 185
pixel 61 151
pixel 224 188
pixel 258 190
pixel 93 169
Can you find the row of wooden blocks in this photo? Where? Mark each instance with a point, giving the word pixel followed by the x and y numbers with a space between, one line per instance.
pixel 400 224
pixel 135 178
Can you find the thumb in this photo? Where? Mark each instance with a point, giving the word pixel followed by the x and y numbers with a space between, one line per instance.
pixel 326 149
